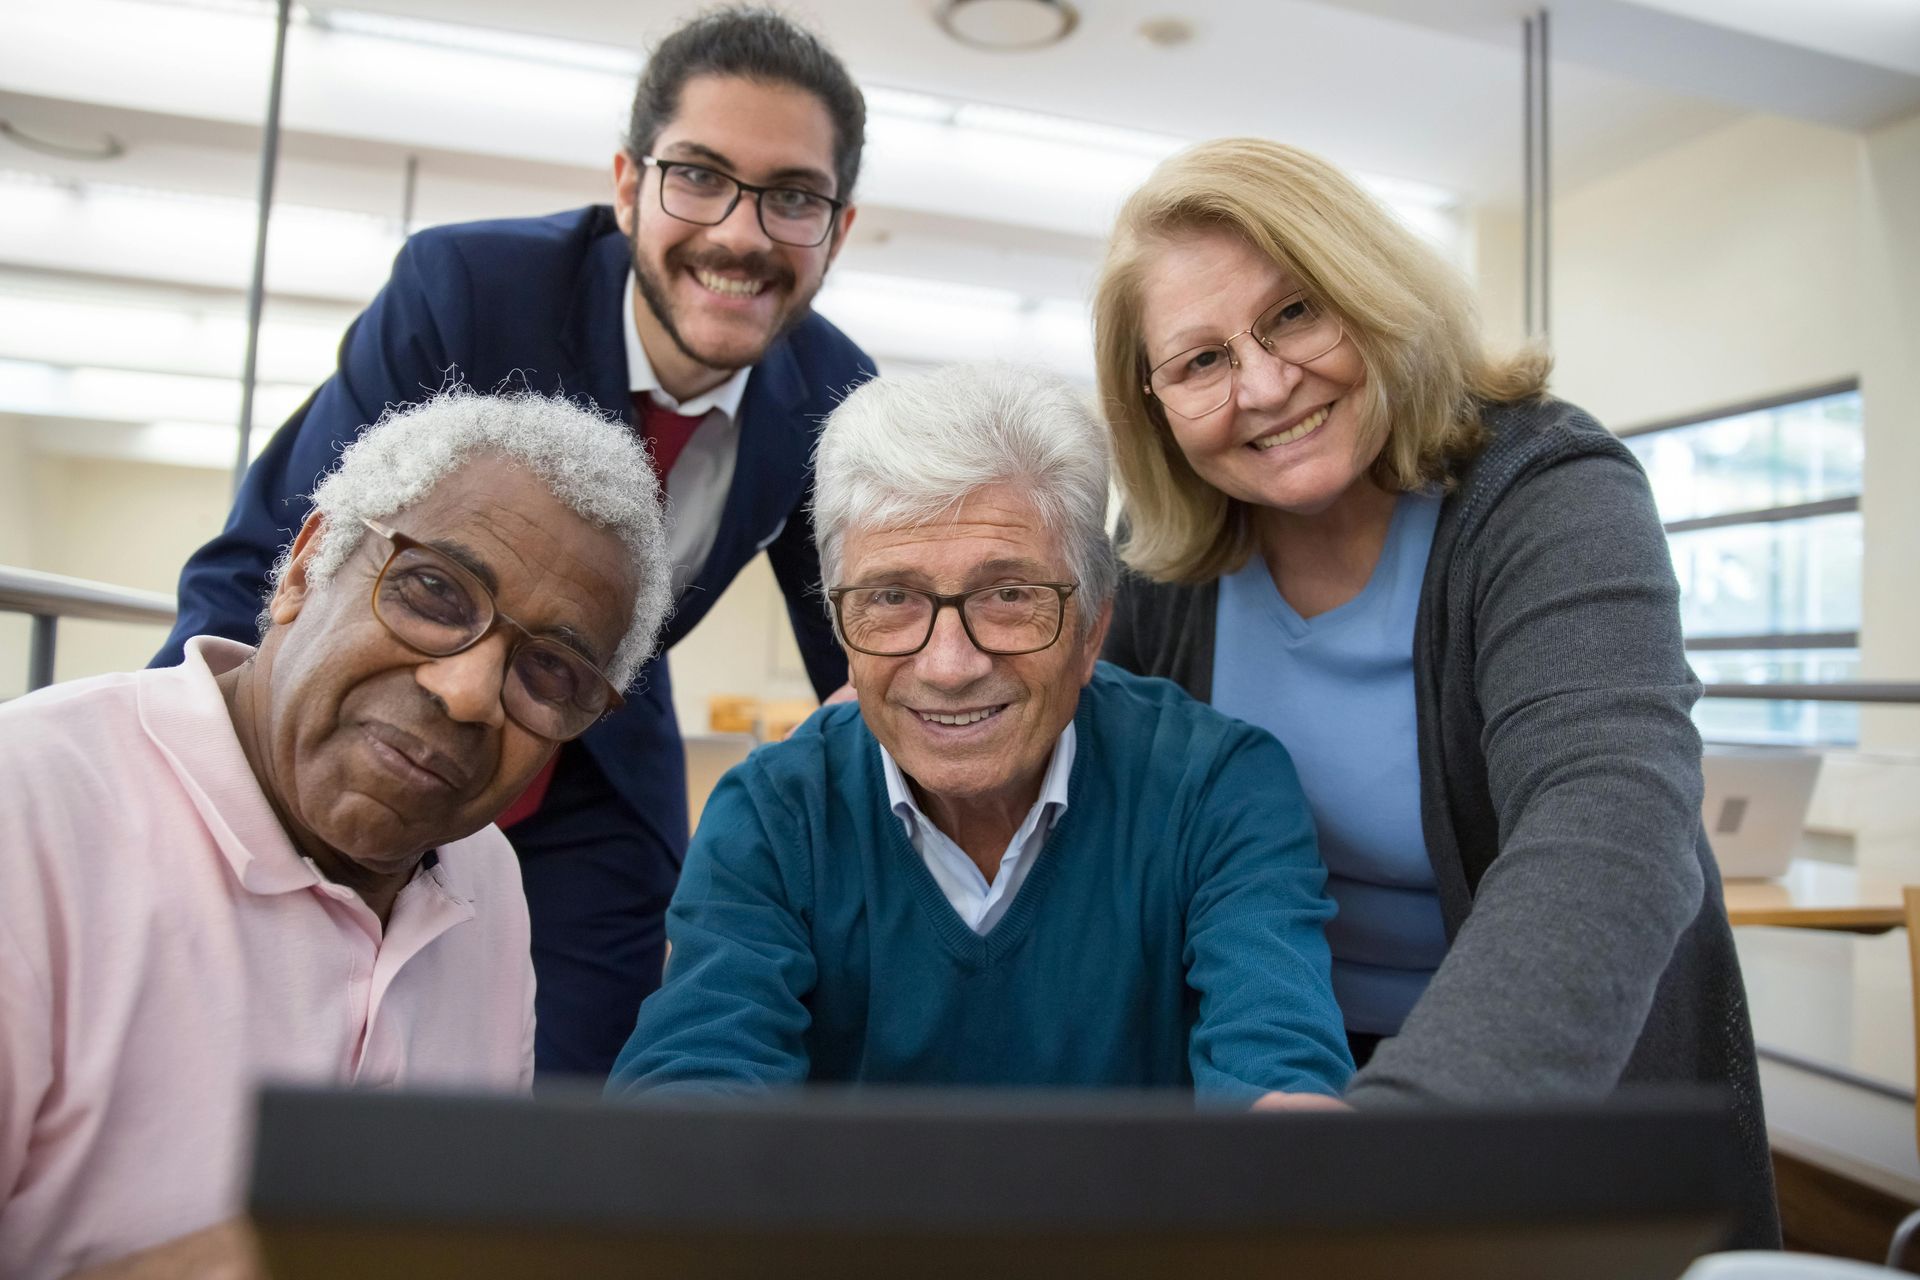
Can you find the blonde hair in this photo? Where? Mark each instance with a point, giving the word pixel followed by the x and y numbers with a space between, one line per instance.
pixel 1407 312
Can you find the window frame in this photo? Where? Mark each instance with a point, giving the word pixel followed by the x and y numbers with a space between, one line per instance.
pixel 1800 641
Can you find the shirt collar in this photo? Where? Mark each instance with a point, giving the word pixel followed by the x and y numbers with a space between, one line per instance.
pixel 1053 787
pixel 185 715
pixel 725 397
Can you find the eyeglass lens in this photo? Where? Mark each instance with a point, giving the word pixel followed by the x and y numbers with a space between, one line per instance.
pixel 788 215
pixel 895 621
pixel 432 605
pixel 1200 380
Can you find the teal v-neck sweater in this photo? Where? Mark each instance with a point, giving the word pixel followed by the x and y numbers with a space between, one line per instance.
pixel 1169 934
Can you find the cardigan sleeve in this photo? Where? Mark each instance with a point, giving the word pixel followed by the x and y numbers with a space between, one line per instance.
pixel 1593 769
pixel 1256 949
pixel 731 1014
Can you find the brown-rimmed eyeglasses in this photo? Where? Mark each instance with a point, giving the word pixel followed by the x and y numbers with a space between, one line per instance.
pixel 436 606
pixel 1005 620
pixel 1199 380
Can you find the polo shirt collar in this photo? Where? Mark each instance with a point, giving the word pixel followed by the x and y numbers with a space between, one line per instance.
pixel 185 716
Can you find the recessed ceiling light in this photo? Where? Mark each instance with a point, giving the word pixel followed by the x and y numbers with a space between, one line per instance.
pixel 1165 33
pixel 1007 24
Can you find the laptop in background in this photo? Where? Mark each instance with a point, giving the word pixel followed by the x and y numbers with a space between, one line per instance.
pixel 1755 806
pixel 864 1184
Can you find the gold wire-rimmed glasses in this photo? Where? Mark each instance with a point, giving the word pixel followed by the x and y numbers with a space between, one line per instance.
pixel 1006 620
pixel 1199 380
pixel 436 606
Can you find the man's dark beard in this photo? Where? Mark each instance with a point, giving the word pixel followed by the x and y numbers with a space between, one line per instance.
pixel 655 294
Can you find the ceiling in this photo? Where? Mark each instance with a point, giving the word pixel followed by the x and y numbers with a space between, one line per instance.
pixel 1427 90
pixel 1005 227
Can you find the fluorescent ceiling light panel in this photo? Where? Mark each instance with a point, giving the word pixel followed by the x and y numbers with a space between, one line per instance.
pixel 906 104
pixel 119 395
pixel 487 40
pixel 1052 128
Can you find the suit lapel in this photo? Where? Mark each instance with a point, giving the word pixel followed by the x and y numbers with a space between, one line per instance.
pixel 595 337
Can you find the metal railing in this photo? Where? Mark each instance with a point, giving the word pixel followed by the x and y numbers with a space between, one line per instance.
pixel 49 597
pixel 1835 691
pixel 1877 691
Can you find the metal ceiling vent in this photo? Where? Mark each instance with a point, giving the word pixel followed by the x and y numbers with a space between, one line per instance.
pixel 1006 25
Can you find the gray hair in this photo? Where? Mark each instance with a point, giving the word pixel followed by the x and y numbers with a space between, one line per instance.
pixel 592 463
pixel 906 449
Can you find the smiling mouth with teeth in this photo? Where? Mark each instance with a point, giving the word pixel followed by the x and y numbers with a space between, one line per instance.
pixel 728 287
pixel 1306 426
pixel 963 717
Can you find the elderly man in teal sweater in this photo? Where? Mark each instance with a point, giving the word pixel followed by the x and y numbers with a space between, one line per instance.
pixel 1008 863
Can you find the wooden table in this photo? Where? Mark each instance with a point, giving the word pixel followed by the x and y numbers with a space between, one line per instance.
pixel 1818 895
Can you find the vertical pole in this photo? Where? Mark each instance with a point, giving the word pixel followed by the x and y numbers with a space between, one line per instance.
pixel 1526 173
pixel 1536 177
pixel 257 286
pixel 40 652
pixel 408 192
pixel 1546 190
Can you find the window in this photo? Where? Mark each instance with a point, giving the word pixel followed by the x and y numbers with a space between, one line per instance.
pixel 1762 511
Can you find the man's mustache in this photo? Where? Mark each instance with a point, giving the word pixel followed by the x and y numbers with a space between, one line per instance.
pixel 755 266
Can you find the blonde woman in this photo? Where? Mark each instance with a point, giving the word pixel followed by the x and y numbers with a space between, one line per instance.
pixel 1449 595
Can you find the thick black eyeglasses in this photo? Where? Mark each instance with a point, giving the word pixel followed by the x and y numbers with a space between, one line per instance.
pixel 789 215
pixel 1006 620
pixel 437 607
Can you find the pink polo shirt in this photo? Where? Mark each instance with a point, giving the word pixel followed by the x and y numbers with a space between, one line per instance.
pixel 163 948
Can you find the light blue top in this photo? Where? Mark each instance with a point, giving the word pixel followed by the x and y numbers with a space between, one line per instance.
pixel 1337 690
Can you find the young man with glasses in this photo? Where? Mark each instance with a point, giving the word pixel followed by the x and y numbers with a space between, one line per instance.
pixel 685 308
pixel 1008 864
pixel 278 864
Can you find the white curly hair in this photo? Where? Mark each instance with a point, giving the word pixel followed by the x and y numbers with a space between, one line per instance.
pixel 592 463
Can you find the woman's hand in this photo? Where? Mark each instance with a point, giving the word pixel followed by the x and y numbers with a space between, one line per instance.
pixel 1282 1101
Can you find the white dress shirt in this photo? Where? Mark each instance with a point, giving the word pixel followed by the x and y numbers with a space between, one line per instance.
pixel 974 900
pixel 696 488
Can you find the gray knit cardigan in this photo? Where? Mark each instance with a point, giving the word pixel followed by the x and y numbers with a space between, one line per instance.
pixel 1559 794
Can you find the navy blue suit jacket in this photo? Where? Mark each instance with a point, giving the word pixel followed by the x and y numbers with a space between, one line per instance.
pixel 537 301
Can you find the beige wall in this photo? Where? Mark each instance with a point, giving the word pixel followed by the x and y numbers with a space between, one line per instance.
pixel 16 545
pixel 1889 234
pixel 128 523
pixel 744 645
pixel 1722 270
pixel 1767 257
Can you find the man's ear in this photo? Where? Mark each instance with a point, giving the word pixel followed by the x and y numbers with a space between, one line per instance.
pixel 626 191
pixel 840 233
pixel 291 595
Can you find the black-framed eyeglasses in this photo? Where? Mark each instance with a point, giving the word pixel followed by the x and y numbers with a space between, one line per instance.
pixel 437 607
pixel 1199 380
pixel 705 196
pixel 1006 620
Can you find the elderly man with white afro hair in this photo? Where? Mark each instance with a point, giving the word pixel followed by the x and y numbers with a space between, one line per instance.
pixel 281 862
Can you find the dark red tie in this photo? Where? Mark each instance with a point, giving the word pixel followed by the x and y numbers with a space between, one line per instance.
pixel 667 432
